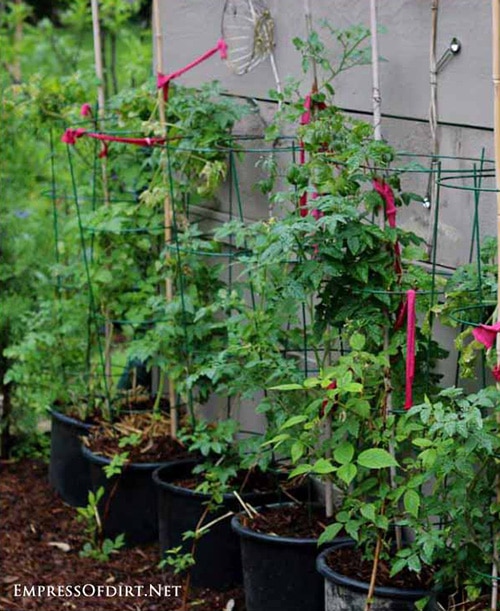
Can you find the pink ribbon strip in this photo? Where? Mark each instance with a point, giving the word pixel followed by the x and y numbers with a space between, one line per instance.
pixel 70 136
pixel 486 334
pixel 387 194
pixel 163 80
pixel 86 110
pixel 325 402
pixel 305 119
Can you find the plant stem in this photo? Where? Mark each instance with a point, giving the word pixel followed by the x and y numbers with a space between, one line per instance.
pixel 159 392
pixel 373 577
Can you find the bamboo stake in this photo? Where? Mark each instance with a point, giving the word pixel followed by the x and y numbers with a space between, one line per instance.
pixel 309 29
pixel 433 114
pixel 99 70
pixel 101 109
pixel 377 134
pixel 496 111
pixel 167 207
pixel 433 110
pixel 377 100
pixel 329 500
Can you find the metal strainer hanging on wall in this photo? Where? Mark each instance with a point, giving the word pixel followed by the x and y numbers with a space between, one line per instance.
pixel 248 30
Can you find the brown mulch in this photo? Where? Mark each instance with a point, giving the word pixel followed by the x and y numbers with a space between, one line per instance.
pixel 33 519
pixel 295 521
pixel 155 444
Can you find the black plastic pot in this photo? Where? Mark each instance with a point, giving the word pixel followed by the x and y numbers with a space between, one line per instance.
pixel 342 593
pixel 279 573
pixel 129 504
pixel 218 557
pixel 69 472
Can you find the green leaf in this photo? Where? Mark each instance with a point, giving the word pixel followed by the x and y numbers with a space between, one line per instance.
pixel 347 472
pixel 422 442
pixel 428 457
pixel 287 387
pixel 323 466
pixel 377 458
pixel 297 451
pixel 329 533
pixel 344 452
pixel 411 500
pixel 368 512
pixel 357 341
pixel 294 420
pixel 279 439
pixel 301 470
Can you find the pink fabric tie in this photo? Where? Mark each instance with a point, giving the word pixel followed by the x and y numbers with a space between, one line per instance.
pixel 486 334
pixel 163 80
pixel 70 136
pixel 86 110
pixel 305 119
pixel 387 194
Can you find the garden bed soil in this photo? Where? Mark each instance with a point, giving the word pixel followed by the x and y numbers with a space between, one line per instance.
pixel 253 481
pixel 292 521
pixel 34 519
pixel 156 444
pixel 350 562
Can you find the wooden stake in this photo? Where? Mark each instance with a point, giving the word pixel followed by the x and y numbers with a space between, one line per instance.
pixel 99 70
pixel 309 29
pixel 433 113
pixel 433 117
pixel 101 110
pixel 167 207
pixel 496 114
pixel 377 100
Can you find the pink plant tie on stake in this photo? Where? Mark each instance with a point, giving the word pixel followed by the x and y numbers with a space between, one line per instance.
pixel 486 334
pixel 163 80
pixel 305 119
pixel 387 194
pixel 86 110
pixel 70 136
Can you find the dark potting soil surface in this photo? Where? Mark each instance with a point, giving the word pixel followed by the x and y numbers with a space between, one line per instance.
pixel 254 480
pixel 33 519
pixel 155 444
pixel 295 521
pixel 349 561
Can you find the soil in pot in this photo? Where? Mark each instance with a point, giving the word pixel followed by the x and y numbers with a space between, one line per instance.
pixel 347 577
pixel 279 549
pixel 69 473
pixel 129 504
pixel 180 508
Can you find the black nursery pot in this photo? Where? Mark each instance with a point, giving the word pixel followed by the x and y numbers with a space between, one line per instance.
pixel 69 472
pixel 343 593
pixel 279 573
pixel 129 503
pixel 218 558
